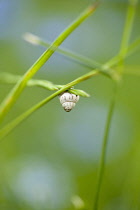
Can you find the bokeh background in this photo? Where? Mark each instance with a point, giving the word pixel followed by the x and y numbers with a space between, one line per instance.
pixel 50 161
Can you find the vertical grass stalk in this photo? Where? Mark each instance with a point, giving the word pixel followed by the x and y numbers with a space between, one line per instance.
pixel 104 147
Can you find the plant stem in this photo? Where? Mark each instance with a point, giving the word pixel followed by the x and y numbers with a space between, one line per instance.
pixel 123 51
pixel 12 79
pixel 16 91
pixel 104 148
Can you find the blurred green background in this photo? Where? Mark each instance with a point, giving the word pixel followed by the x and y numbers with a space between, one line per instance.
pixel 53 156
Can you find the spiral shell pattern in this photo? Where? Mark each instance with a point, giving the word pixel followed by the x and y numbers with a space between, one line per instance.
pixel 68 100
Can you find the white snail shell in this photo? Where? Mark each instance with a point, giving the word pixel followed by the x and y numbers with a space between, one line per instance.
pixel 68 100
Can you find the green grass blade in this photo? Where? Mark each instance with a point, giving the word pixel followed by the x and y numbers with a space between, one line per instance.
pixel 12 79
pixel 16 91
pixel 8 128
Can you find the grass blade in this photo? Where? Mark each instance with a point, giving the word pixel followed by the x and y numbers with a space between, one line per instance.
pixel 104 148
pixel 8 128
pixel 12 79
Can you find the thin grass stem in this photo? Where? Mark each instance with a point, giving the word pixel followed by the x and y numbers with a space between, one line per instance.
pixel 104 147
pixel 12 79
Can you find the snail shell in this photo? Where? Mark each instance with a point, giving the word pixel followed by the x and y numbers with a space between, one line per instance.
pixel 68 100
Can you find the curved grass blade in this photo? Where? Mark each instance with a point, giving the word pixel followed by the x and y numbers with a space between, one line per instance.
pixel 12 79
pixel 9 127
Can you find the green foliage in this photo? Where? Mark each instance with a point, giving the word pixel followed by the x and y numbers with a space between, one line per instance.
pixel 115 69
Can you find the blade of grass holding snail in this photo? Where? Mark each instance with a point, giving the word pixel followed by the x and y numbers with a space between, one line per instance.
pixel 16 91
pixel 12 79
pixel 122 54
pixel 10 126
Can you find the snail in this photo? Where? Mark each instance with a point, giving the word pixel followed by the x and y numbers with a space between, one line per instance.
pixel 68 100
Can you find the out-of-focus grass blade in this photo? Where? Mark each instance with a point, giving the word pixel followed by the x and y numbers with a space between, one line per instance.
pixel 12 79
